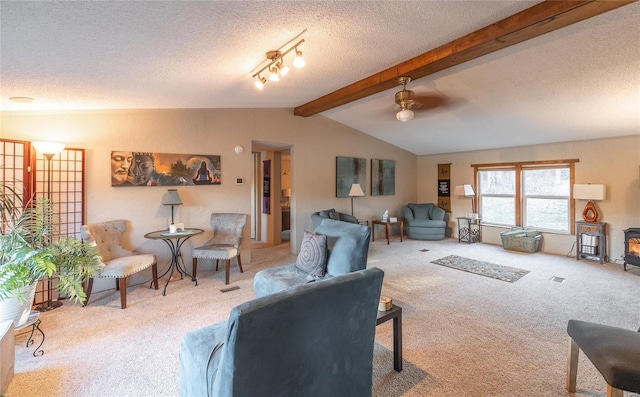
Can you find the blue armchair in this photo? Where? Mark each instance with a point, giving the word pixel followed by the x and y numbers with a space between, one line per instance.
pixel 348 246
pixel 424 221
pixel 316 340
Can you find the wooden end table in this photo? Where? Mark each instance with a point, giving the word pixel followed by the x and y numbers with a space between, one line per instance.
pixel 387 228
pixel 394 313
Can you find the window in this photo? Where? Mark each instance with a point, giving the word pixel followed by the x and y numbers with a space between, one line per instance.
pixel 533 195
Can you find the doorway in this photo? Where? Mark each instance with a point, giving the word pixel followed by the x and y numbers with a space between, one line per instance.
pixel 272 215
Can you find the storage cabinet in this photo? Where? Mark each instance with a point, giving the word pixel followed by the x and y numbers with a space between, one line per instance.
pixel 591 241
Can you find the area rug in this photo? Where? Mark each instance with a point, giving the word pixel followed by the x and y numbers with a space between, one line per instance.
pixel 500 272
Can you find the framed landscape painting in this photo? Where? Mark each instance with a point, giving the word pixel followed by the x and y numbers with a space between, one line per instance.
pixel 383 177
pixel 350 170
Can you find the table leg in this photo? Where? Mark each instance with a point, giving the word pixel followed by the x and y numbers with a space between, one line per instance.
pixel 401 229
pixel 386 229
pixel 397 342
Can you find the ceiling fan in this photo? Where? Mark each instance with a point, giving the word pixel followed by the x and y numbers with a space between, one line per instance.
pixel 407 100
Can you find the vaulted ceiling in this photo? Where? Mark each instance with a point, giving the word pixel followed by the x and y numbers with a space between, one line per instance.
pixel 503 73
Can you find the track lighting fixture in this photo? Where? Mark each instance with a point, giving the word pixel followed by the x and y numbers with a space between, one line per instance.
pixel 276 67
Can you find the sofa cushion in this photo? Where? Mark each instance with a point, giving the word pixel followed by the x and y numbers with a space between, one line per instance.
pixel 348 246
pixel 420 211
pixel 312 258
pixel 427 223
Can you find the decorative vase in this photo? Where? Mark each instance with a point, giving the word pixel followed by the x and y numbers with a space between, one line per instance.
pixel 16 310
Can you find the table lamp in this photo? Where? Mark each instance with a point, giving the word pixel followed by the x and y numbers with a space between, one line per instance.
pixel 171 198
pixel 589 192
pixel 466 191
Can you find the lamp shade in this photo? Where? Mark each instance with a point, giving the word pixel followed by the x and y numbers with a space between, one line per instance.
pixel 356 190
pixel 589 192
pixel 49 147
pixel 171 198
pixel 464 190
pixel 405 115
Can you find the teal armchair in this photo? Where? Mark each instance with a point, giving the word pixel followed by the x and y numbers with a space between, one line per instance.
pixel 424 221
pixel 313 341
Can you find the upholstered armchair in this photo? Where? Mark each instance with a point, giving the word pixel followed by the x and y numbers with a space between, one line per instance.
pixel 424 221
pixel 225 243
pixel 347 247
pixel 313 341
pixel 116 261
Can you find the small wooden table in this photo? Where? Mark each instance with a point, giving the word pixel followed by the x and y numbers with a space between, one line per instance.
pixel 394 313
pixel 387 228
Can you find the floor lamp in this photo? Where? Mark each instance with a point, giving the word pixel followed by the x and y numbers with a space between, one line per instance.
pixel 48 150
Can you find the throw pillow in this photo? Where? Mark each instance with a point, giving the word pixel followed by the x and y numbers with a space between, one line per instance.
pixel 312 258
pixel 334 215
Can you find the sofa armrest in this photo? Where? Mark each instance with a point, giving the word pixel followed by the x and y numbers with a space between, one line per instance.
pixel 437 213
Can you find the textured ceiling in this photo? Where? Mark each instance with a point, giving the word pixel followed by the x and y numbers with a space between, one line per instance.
pixel 580 82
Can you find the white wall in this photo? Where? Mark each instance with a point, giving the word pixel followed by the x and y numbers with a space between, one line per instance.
pixel 613 162
pixel 315 141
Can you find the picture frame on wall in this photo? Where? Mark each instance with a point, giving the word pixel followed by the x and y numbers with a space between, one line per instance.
pixel 383 177
pixel 350 170
pixel 130 168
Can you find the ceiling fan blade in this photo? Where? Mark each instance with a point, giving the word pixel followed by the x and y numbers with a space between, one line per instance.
pixel 431 101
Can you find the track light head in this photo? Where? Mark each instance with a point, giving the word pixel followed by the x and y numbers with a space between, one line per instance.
pixel 274 74
pixel 283 70
pixel 260 82
pixel 299 60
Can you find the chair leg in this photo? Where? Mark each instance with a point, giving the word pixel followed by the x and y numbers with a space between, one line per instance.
pixel 194 268
pixel 122 282
pixel 88 290
pixel 154 272
pixel 217 264
pixel 613 392
pixel 572 365
pixel 117 285
pixel 240 263
pixel 227 266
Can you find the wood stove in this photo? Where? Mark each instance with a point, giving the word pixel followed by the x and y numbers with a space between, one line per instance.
pixel 632 247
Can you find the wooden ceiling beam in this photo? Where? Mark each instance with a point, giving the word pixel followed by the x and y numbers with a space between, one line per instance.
pixel 542 18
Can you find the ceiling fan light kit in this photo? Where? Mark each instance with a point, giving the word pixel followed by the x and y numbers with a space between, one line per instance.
pixel 405 99
pixel 276 66
pixel 405 115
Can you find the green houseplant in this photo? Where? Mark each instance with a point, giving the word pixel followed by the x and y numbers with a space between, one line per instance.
pixel 29 251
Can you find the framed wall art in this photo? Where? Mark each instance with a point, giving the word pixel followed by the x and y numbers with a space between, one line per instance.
pixel 444 186
pixel 266 187
pixel 350 170
pixel 164 169
pixel 383 177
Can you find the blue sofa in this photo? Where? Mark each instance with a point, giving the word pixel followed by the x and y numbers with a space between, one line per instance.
pixel 315 340
pixel 348 246
pixel 318 217
pixel 424 221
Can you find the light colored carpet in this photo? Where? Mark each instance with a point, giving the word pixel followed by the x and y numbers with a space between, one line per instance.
pixel 463 334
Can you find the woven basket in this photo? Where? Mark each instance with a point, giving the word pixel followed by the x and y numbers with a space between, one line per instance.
pixel 521 240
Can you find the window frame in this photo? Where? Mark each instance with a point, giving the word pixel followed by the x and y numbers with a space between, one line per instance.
pixel 519 197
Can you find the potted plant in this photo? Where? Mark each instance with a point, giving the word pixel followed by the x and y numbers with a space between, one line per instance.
pixel 29 251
